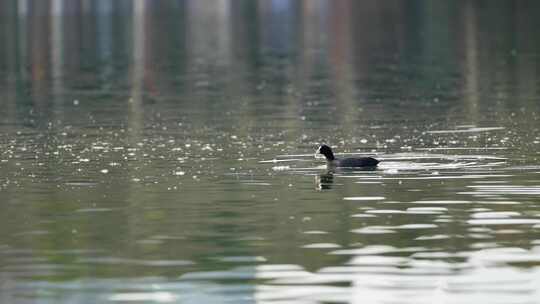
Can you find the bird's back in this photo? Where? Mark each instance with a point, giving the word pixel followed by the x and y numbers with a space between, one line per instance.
pixel 357 162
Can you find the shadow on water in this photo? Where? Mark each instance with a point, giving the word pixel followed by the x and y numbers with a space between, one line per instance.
pixel 324 181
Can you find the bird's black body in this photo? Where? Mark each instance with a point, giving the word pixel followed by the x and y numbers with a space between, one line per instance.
pixel 352 162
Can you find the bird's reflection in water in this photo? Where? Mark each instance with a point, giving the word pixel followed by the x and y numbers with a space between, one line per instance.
pixel 325 181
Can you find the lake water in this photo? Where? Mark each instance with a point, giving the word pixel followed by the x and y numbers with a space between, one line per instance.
pixel 163 152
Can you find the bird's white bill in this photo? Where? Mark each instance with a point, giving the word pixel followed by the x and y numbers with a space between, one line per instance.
pixel 318 154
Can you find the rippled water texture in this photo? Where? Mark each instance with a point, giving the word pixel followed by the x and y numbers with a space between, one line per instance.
pixel 163 151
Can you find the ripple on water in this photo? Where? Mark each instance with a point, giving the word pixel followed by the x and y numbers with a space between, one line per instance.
pixel 376 250
pixel 427 210
pixel 321 245
pixel 242 259
pixel 416 226
pixel 505 255
pixel 495 214
pixel 385 211
pixel 364 198
pixel 154 296
pixel 441 202
pixel 373 230
pixel 479 190
pixel 445 177
pixel 363 215
pixel 81 184
pixel 503 221
pixel 256 183
pixel 93 210
pixel 275 271
pixel 466 130
pixel 116 261
pixel 432 237
pixel 378 260
pixel 316 232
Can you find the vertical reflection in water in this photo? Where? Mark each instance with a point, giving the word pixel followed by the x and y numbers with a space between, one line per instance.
pixel 135 119
pixel 223 29
pixel 527 74
pixel 279 16
pixel 246 56
pixel 208 54
pixel 341 67
pixel 72 39
pixel 40 50
pixel 22 40
pixel 209 31
pixel 280 44
pixel 104 11
pixel 11 32
pixel 470 62
pixel 57 54
pixel 313 67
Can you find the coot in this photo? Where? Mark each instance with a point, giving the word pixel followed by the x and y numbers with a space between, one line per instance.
pixel 353 162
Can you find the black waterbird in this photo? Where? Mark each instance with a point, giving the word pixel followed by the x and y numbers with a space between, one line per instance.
pixel 352 162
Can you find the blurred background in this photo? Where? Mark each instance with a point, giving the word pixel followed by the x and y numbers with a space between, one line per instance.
pixel 162 49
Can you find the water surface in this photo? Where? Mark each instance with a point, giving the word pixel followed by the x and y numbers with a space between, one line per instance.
pixel 163 152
